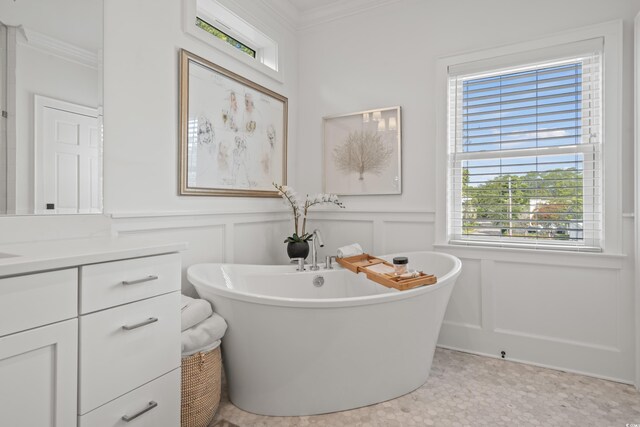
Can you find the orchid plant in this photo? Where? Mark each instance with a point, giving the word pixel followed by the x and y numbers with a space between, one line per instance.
pixel 300 210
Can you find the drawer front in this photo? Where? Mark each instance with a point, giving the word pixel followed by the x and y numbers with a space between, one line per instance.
pixel 127 346
pixel 157 404
pixel 115 283
pixel 37 299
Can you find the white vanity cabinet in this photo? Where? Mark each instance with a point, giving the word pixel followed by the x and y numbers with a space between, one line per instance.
pixel 39 349
pixel 129 337
pixel 92 345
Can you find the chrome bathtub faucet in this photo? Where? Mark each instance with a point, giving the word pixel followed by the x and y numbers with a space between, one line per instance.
pixel 300 262
pixel 314 251
pixel 328 261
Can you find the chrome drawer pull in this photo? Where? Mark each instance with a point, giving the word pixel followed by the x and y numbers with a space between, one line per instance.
pixel 135 282
pixel 138 325
pixel 149 407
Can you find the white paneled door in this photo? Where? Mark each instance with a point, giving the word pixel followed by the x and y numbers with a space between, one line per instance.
pixel 68 147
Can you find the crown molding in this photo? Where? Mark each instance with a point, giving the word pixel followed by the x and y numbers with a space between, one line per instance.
pixel 323 14
pixel 286 12
pixel 59 48
pixel 334 11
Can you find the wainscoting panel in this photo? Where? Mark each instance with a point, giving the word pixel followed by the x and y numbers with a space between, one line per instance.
pixel 231 237
pixel 465 305
pixel 572 312
pixel 578 305
pixel 261 242
pixel 567 311
pixel 378 232
pixel 407 236
pixel 341 232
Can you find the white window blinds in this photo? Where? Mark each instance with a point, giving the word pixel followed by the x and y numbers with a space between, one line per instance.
pixel 525 159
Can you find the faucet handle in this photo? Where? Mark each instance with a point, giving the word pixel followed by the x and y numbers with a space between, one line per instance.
pixel 329 261
pixel 300 262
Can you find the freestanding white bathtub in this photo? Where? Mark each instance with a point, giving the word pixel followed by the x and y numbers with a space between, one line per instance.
pixel 293 348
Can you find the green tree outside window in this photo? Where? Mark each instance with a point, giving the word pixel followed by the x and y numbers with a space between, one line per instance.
pixel 225 37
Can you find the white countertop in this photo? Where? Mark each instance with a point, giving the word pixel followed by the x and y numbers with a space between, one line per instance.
pixel 56 254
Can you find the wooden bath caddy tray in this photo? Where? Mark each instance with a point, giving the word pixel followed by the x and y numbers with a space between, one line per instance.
pixel 361 263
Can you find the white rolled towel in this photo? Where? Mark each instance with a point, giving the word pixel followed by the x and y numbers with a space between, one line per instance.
pixel 350 250
pixel 203 334
pixel 204 349
pixel 194 311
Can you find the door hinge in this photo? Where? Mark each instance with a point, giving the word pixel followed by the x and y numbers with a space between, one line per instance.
pixel 5 114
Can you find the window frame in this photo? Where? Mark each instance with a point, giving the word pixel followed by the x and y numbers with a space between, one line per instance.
pixel 526 53
pixel 460 156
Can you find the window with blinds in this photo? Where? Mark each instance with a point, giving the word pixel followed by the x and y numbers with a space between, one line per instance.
pixel 525 155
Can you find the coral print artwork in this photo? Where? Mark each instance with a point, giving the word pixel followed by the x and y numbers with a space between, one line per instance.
pixel 234 131
pixel 362 153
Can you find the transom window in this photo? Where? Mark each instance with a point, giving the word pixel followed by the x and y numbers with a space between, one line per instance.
pixel 201 23
pixel 525 159
pixel 228 31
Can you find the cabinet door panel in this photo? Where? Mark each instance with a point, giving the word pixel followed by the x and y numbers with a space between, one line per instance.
pixel 38 376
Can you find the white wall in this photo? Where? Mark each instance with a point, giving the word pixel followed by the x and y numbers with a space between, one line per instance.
pixel 574 312
pixel 42 73
pixel 142 41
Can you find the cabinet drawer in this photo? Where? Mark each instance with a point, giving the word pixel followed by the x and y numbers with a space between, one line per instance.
pixel 37 299
pixel 127 346
pixel 114 283
pixel 160 398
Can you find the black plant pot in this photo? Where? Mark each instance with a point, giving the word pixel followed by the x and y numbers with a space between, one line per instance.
pixel 298 249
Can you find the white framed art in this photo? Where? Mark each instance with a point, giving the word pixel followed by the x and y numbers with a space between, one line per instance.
pixel 362 152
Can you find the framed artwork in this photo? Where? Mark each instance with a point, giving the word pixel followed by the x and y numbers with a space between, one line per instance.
pixel 233 132
pixel 362 153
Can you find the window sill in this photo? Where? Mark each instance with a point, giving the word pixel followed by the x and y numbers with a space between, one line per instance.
pixel 535 256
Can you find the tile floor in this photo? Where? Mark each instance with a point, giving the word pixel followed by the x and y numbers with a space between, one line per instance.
pixel 469 390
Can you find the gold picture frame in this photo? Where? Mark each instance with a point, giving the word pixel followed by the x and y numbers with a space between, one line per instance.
pixel 229 149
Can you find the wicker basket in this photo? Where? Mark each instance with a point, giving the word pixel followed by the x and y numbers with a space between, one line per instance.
pixel 201 378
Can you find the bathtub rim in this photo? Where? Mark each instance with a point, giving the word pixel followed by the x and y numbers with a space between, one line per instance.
pixel 254 298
